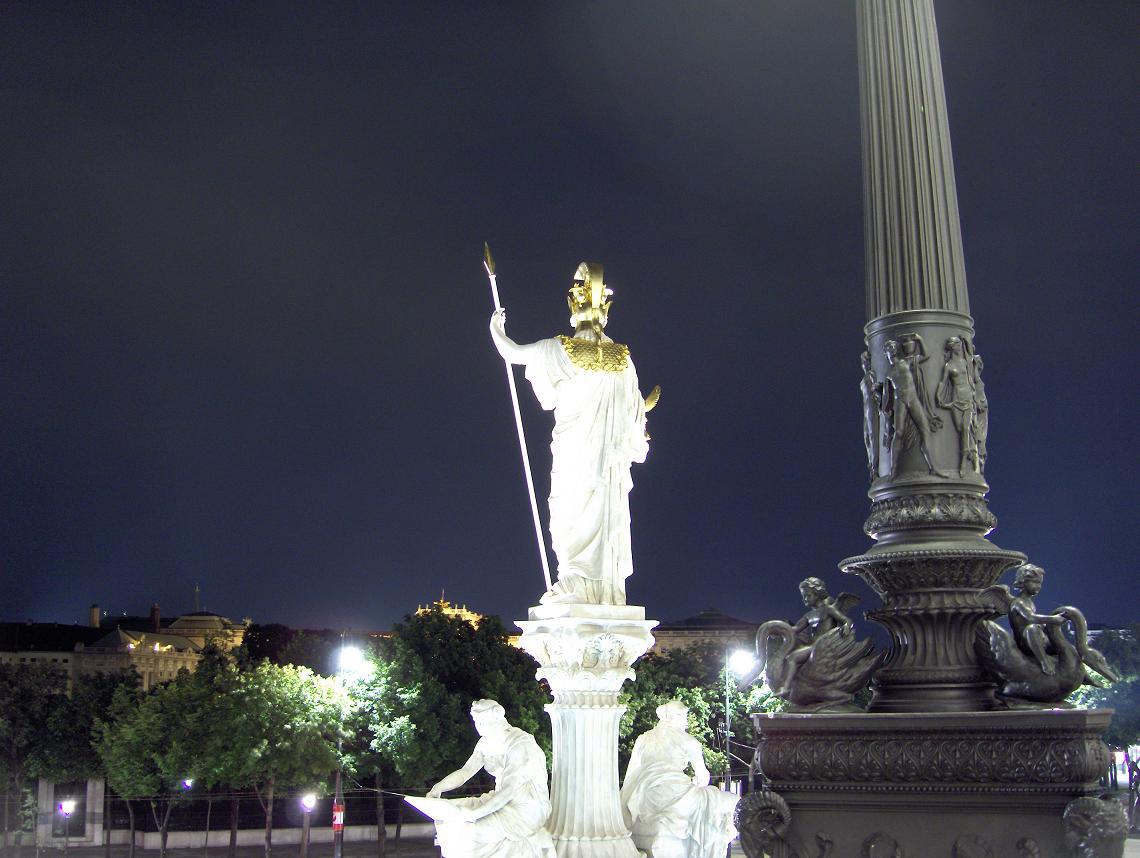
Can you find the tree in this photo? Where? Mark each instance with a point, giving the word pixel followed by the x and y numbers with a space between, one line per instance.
pixel 29 694
pixel 313 650
pixel 286 721
pixel 1121 649
pixel 71 754
pixel 123 747
pixel 402 725
pixel 474 663
pixel 150 745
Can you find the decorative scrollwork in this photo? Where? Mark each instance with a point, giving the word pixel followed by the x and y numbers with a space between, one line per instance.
pixel 902 571
pixel 966 758
pixel 929 510
pixel 1095 827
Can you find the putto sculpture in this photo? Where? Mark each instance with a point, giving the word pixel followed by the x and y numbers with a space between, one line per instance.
pixel 590 384
pixel 507 822
pixel 671 814
pixel 1037 663
pixel 816 663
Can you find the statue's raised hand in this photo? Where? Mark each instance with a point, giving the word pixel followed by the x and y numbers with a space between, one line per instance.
pixel 499 322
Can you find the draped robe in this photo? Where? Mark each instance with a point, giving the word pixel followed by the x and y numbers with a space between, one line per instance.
pixel 599 429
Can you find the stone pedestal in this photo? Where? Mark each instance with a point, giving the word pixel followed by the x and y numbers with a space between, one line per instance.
pixel 585 653
pixel 918 785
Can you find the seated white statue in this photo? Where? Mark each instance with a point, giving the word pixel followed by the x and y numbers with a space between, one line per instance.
pixel 671 814
pixel 507 822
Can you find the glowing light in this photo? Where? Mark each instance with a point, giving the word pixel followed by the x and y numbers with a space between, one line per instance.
pixel 741 661
pixel 308 802
pixel 351 662
pixel 187 783
pixel 67 806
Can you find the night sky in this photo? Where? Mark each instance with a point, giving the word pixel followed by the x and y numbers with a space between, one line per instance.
pixel 244 323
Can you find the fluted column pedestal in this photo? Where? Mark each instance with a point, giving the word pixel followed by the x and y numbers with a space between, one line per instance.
pixel 586 652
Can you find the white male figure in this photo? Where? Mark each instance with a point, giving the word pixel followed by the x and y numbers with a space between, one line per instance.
pixel 907 410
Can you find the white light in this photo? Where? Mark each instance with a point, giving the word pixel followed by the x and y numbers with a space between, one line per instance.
pixel 351 662
pixel 67 806
pixel 187 783
pixel 308 801
pixel 741 661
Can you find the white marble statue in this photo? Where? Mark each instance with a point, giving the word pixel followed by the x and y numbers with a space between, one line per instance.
pixel 590 383
pixel 671 814
pixel 507 822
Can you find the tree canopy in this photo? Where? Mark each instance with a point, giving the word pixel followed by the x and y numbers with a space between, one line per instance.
pixel 1121 649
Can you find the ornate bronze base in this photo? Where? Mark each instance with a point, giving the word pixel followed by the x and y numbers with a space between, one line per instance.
pixel 925 785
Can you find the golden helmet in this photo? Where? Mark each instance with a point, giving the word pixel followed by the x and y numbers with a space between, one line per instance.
pixel 588 297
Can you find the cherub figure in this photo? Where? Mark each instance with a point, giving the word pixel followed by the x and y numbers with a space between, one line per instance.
pixel 816 663
pixel 823 615
pixel 1038 663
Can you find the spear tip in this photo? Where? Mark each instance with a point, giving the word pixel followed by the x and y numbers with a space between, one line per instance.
pixel 488 260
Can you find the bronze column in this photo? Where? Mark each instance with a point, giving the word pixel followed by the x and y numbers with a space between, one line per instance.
pixel 925 412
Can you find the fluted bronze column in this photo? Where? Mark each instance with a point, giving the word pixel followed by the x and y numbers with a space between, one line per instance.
pixel 925 411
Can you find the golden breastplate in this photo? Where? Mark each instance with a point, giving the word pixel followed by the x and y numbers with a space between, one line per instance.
pixel 595 356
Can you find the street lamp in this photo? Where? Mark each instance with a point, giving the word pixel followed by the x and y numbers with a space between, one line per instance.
pixel 66 807
pixel 736 663
pixel 308 802
pixel 350 664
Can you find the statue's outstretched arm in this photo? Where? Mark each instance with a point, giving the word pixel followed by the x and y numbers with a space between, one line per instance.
pixel 511 351
pixel 1027 614
pixel 458 777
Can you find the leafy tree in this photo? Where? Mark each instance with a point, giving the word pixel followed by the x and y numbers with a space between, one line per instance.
pixel 29 694
pixel 474 663
pixel 314 650
pixel 1121 649
pixel 283 645
pixel 218 761
pixel 402 726
pixel 122 745
pixel 264 640
pixel 71 754
pixel 286 722
pixel 149 746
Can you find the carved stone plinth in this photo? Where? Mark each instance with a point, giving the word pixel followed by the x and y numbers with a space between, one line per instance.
pixel 585 653
pixel 931 783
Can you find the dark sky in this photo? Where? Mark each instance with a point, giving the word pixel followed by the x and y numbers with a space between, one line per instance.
pixel 244 321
